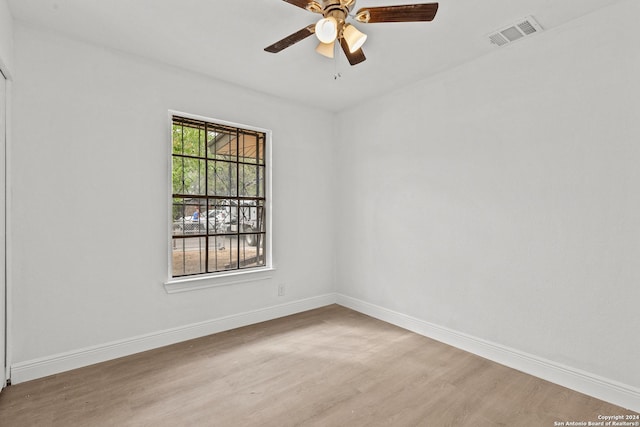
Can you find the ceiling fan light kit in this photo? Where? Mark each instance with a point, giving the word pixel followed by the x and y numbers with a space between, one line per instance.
pixel 334 26
pixel 326 49
pixel 327 29
pixel 355 39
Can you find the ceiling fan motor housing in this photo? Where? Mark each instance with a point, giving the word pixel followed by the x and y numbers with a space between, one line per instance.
pixel 339 10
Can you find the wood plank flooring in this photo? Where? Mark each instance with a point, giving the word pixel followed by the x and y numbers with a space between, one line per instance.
pixel 325 367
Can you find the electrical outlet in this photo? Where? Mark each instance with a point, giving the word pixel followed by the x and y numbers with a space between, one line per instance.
pixel 281 290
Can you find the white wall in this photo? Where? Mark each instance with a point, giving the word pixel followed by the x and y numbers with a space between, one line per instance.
pixel 90 201
pixel 501 199
pixel 6 38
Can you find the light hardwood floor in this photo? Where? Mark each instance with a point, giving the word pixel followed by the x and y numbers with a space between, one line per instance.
pixel 326 367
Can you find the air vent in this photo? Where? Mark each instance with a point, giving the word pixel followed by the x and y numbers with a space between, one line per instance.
pixel 511 33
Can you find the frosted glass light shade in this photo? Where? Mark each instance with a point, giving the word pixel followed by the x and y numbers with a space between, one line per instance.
pixel 327 29
pixel 354 38
pixel 326 49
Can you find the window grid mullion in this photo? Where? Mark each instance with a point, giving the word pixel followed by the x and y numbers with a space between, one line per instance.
pixel 238 199
pixel 206 194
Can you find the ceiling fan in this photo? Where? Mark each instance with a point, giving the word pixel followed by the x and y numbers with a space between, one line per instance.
pixel 333 25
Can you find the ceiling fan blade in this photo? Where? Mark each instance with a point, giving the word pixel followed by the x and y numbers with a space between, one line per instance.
pixel 300 3
pixel 291 39
pixel 354 58
pixel 404 13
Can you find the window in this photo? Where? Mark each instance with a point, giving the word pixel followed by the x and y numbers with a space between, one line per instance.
pixel 219 197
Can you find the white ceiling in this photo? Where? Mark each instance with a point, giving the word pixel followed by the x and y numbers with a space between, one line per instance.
pixel 225 39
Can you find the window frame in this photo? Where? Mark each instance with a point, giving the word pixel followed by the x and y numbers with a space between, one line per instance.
pixel 227 277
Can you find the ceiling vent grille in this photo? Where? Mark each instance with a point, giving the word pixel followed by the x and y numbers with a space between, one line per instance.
pixel 511 33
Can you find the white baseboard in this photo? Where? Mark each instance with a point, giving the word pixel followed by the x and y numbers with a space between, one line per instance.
pixel 49 365
pixel 584 382
pixel 601 388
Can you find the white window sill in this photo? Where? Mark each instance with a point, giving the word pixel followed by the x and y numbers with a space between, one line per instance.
pixel 194 283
